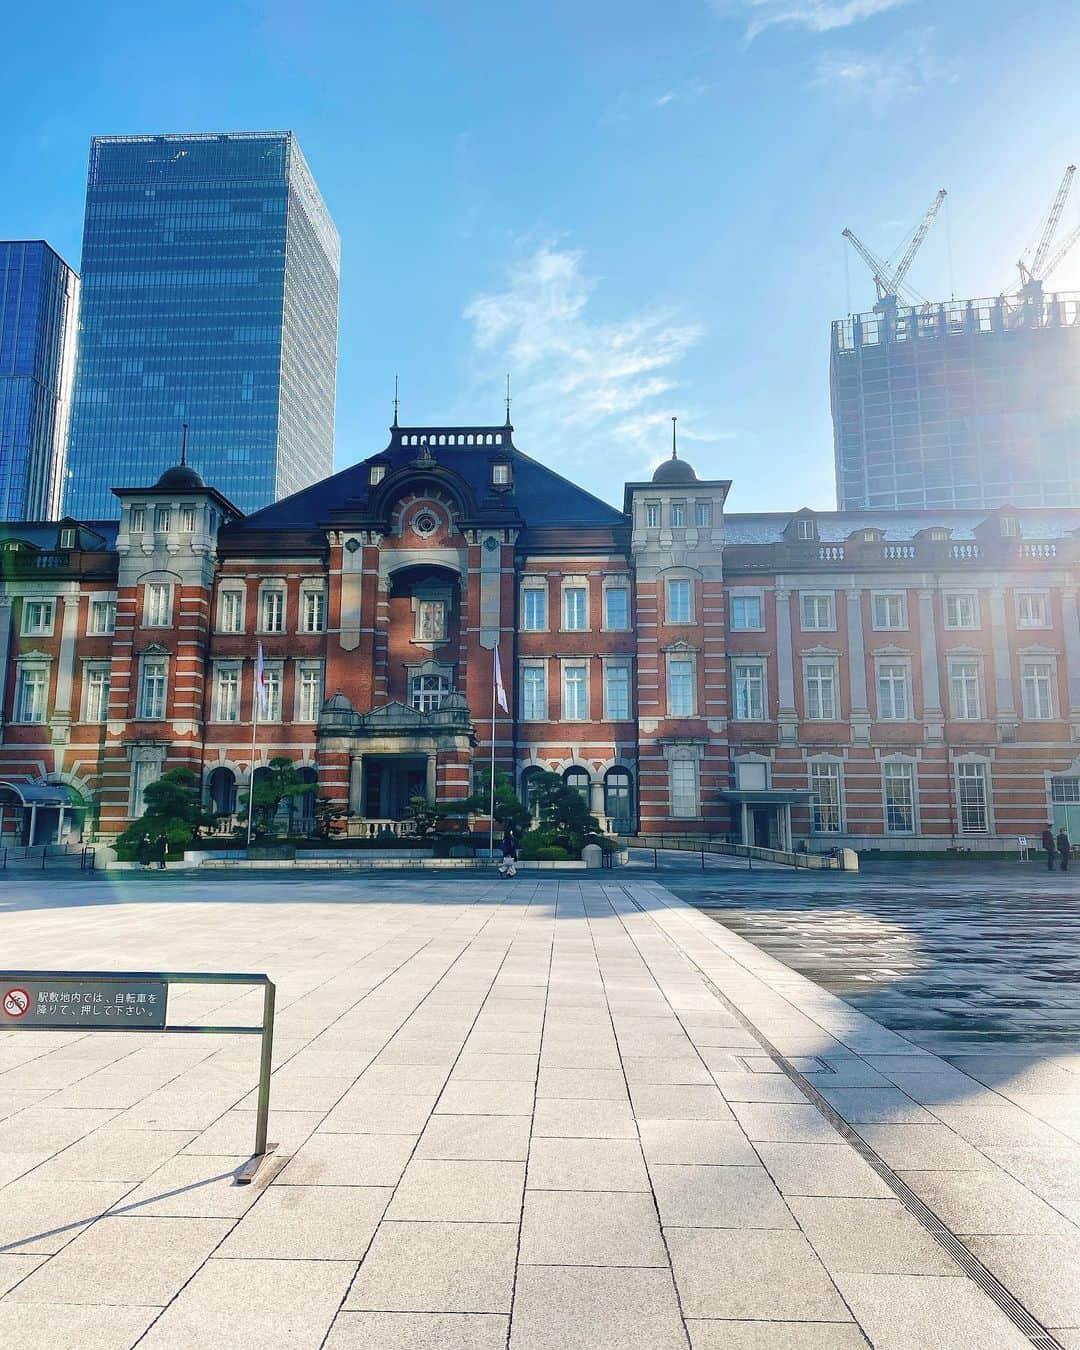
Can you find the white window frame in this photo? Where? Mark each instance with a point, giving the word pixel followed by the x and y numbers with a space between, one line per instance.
pixel 652 515
pixel 225 595
pixel 572 664
pixel 1037 605
pixel 274 695
pixel 534 587
pixel 501 473
pixel 675 616
pixel 621 670
pixel 533 710
pixel 953 603
pixel 885 668
pixel 830 771
pixel 227 694
pixel 960 775
pixel 92 680
pixel 301 691
pixel 267 595
pixel 189 519
pixel 376 473
pixel 146 661
pixel 881 603
pixel 959 708
pixel 159 602
pixel 678 515
pixel 66 539
pixel 137 520
pixel 108 605
pixel 312 616
pixel 745 598
pixel 684 797
pixel 751 671
pixel 572 586
pixel 817 708
pixel 680 659
pixel 44 610
pixel 909 773
pixel 162 519
pixel 622 586
pixel 1035 707
pixel 805 530
pixel 703 512
pixel 815 606
pixel 34 673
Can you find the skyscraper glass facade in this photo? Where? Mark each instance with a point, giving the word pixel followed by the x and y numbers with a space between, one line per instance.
pixel 210 297
pixel 38 303
pixel 971 403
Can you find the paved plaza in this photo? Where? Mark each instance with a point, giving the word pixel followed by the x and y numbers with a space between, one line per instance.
pixel 549 1115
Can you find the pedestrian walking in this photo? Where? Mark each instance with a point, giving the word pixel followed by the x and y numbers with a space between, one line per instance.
pixel 161 847
pixel 1064 847
pixel 1050 846
pixel 508 866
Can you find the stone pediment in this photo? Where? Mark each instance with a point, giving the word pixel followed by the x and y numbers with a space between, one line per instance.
pixel 396 719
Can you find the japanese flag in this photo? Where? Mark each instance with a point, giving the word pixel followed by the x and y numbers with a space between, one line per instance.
pixel 500 692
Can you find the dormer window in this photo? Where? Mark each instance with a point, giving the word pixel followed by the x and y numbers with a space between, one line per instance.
pixel 67 538
pixel 805 529
pixel 376 474
pixel 500 473
pixel 938 535
pixel 1010 527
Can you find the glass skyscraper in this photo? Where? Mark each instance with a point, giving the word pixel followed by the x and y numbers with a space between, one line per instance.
pixel 210 297
pixel 38 301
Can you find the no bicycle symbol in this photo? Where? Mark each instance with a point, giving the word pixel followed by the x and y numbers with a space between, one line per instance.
pixel 16 1002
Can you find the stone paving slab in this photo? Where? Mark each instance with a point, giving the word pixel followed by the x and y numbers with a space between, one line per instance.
pixel 533 1114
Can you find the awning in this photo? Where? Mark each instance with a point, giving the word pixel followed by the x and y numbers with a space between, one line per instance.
pixel 766 796
pixel 41 794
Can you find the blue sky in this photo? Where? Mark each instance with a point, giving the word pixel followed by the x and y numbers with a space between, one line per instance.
pixel 633 207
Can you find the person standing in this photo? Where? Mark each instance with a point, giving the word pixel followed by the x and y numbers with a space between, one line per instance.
pixel 508 866
pixel 1049 846
pixel 161 848
pixel 145 851
pixel 1064 847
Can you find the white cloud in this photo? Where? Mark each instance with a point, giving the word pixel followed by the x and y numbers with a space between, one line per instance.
pixel 582 384
pixel 818 16
pixel 885 77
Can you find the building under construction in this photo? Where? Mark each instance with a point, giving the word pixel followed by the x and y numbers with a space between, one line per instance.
pixel 965 403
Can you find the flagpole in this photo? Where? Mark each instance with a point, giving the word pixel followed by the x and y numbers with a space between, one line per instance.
pixel 491 812
pixel 251 771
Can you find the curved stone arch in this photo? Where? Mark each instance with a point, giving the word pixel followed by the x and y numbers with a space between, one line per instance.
pixel 159 574
pixel 426 477
pixel 440 503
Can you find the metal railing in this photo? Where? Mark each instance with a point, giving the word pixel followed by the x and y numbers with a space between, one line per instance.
pixel 705 844
pixel 43 856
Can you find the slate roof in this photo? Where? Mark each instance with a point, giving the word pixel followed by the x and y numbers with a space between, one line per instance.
pixel 767 527
pixel 44 534
pixel 542 496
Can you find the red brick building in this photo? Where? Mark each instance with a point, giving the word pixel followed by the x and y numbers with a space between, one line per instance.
pixel 895 680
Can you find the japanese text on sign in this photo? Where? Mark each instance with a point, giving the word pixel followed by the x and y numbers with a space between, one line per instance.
pixel 100 1005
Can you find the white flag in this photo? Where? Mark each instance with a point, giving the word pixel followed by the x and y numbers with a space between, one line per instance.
pixel 500 692
pixel 260 683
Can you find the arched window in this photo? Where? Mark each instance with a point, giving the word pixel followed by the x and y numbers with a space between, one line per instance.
pixel 578 779
pixel 428 691
pixel 529 780
pixel 223 791
pixel 618 800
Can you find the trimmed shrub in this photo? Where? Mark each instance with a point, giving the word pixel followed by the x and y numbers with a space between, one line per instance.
pixel 552 853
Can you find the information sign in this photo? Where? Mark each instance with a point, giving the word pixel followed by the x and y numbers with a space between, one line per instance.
pixel 98 1005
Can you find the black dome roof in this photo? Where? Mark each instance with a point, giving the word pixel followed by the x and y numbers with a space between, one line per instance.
pixel 181 478
pixel 674 470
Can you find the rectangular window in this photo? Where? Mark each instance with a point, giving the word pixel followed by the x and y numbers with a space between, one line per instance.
pixel 226 694
pixel 749 680
pixel 272 612
pixel 684 789
pixel 187 520
pixel 271 709
pixel 964 690
pixel 37 617
pixel 746 614
pixel 430 620
pixel 575 702
pixel 679 602
pixel 889 611
pixel 159 604
pixel 231 612
pixel 376 474
pixel 899 786
pixel 1032 610
pixel 500 474
pixel 574 609
pixel 32 696
pixel 309 694
pixel 313 612
pixel 678 515
pixel 1037 683
pixel 534 693
pixel 821 691
pixel 680 687
pixel 101 618
pixel 892 692
pixel 817 611
pixel 162 520
pixel 96 694
pixel 962 610
pixel 534 608
pixel 616 692
pixel 971 797
pixel 137 519
pixel 152 689
pixel 804 529
pixel 1065 790
pixel 652 515
pixel 67 538
pixel 703 515
pixel 617 608
pixel 825 785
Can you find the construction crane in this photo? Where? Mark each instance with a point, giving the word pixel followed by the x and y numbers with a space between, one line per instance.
pixel 1032 276
pixel 889 278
